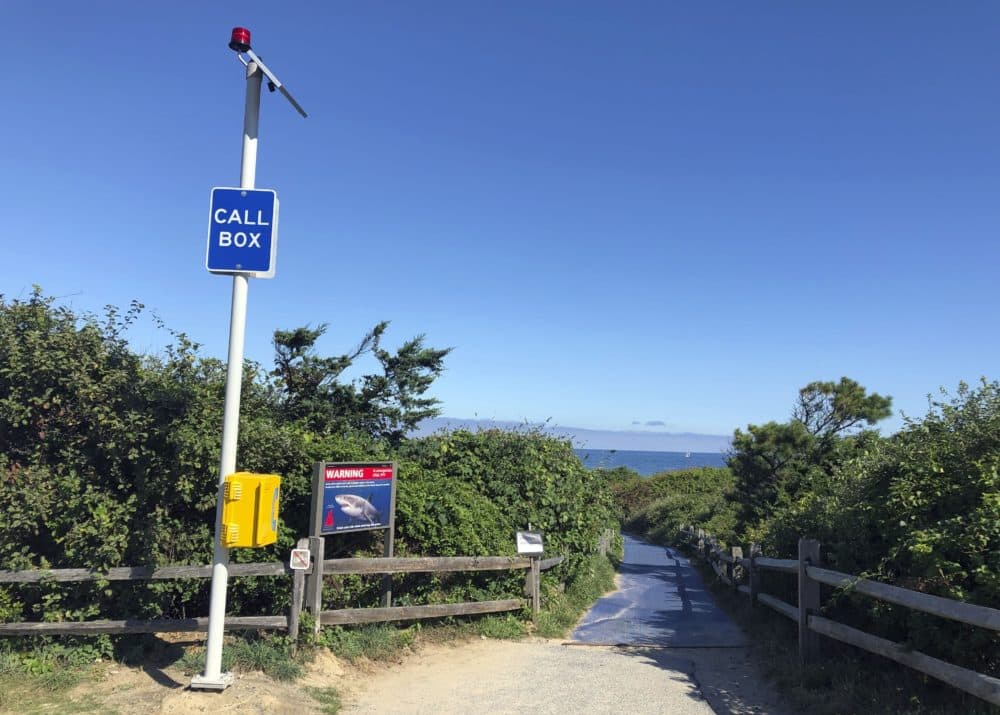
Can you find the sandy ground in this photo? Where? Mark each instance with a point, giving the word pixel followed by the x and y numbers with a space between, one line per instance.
pixel 543 677
pixel 539 677
pixel 482 676
pixel 144 691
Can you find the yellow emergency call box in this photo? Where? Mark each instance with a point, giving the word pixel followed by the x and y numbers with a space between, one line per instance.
pixel 250 510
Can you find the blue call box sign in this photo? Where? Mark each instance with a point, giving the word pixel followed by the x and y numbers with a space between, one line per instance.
pixel 242 231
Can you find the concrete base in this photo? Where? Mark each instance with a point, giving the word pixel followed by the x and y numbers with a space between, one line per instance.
pixel 200 682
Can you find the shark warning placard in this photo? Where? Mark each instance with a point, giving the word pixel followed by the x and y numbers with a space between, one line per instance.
pixel 350 496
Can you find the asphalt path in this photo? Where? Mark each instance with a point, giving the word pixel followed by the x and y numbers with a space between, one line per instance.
pixel 661 601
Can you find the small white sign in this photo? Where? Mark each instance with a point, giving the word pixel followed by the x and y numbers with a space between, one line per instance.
pixel 529 542
pixel 299 560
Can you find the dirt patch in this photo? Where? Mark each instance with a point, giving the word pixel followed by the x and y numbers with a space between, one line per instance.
pixel 159 687
pixel 149 689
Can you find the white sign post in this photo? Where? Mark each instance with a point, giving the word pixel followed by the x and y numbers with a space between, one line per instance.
pixel 213 678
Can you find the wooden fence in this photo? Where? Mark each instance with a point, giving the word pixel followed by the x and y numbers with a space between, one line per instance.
pixel 306 586
pixel 743 574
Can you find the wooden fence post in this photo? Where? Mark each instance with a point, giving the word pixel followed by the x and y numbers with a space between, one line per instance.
pixel 737 554
pixel 389 535
pixel 314 586
pixel 532 584
pixel 536 586
pixel 809 602
pixel 298 591
pixel 753 574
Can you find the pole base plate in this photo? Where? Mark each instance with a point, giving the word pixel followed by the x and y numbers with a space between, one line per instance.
pixel 201 682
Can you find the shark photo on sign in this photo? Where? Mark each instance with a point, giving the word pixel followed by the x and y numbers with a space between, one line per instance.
pixel 358 508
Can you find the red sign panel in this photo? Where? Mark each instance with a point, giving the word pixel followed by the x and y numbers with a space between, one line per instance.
pixel 350 473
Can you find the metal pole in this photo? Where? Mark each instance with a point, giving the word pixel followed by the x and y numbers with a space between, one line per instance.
pixel 214 678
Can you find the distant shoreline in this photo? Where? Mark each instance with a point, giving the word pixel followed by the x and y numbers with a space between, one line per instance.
pixel 635 440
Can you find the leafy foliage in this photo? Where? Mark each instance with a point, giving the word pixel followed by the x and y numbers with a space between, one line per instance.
pixel 775 462
pixel 920 509
pixel 386 406
pixel 659 506
pixel 827 410
pixel 530 478
pixel 110 458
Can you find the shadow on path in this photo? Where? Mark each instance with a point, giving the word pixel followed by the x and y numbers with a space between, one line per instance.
pixel 663 615
pixel 661 601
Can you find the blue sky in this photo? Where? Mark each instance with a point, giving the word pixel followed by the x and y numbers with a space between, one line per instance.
pixel 616 213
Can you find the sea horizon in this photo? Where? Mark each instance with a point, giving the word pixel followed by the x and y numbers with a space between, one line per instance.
pixel 648 462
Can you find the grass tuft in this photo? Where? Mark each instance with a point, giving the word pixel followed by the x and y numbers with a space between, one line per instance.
pixel 507 627
pixel 563 610
pixel 375 642
pixel 28 688
pixel 328 699
pixel 270 655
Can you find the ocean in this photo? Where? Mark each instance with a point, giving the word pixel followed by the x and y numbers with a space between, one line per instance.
pixel 648 463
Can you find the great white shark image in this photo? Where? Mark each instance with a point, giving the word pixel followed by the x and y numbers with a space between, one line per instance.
pixel 358 508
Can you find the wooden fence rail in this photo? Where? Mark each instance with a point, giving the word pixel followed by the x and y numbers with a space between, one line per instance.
pixel 139 573
pixel 408 613
pixel 732 568
pixel 425 564
pixel 315 573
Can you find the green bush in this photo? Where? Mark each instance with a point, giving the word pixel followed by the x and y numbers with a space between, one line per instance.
pixel 919 509
pixel 526 477
pixel 659 506
pixel 110 458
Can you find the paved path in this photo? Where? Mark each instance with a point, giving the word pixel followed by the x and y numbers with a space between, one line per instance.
pixel 661 601
pixel 656 645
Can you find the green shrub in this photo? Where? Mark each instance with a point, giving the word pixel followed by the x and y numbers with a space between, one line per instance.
pixel 110 458
pixel 658 506
pixel 919 509
pixel 526 477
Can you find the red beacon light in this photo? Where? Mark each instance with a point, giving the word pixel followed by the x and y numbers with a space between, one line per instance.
pixel 240 43
pixel 240 40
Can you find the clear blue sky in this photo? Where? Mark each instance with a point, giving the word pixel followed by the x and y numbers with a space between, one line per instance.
pixel 616 213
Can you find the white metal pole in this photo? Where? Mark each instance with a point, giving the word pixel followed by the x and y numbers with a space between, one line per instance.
pixel 213 677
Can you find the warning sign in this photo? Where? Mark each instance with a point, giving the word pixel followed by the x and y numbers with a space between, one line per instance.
pixel 353 497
